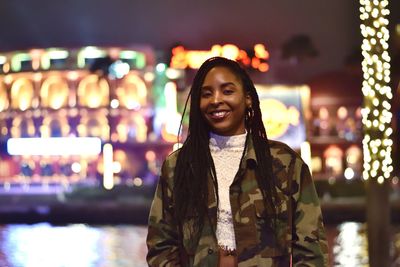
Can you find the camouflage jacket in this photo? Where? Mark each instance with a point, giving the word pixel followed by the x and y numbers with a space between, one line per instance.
pixel 299 233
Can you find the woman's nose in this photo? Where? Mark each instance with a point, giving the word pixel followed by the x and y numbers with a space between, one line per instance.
pixel 217 98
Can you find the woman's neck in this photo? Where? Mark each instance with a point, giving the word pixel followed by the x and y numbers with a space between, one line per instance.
pixel 231 141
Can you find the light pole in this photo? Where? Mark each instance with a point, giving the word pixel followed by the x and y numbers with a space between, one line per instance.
pixel 377 145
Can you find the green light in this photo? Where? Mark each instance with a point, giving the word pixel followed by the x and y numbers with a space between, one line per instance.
pixel 52 54
pixel 16 61
pixel 141 61
pixel 45 61
pixel 140 58
pixel 128 54
pixel 89 52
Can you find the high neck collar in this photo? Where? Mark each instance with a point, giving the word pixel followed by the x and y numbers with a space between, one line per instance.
pixel 232 141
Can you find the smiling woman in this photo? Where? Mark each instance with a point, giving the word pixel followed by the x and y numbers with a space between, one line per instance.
pixel 229 196
pixel 223 102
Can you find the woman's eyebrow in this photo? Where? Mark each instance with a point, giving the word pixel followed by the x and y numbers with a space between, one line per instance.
pixel 228 84
pixel 206 87
pixel 209 87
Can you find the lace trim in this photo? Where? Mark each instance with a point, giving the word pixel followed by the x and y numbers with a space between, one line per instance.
pixel 226 152
pixel 233 143
pixel 225 232
pixel 227 251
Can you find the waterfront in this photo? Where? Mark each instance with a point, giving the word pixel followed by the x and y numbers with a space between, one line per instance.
pixel 75 245
pixel 81 245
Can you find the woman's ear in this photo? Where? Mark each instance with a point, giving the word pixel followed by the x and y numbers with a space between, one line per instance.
pixel 249 102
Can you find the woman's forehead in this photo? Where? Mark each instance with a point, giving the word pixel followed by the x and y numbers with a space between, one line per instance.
pixel 222 73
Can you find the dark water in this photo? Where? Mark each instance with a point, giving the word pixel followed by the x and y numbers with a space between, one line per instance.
pixel 79 245
pixel 44 245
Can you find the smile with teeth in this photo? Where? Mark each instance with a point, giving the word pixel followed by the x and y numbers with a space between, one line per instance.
pixel 219 114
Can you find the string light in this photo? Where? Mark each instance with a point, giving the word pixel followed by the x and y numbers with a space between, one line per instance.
pixel 376 114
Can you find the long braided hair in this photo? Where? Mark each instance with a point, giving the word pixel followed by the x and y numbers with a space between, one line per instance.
pixel 194 163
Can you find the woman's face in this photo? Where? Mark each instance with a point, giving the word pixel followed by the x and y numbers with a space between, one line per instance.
pixel 223 102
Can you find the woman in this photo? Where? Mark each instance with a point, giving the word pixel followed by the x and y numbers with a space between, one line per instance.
pixel 229 196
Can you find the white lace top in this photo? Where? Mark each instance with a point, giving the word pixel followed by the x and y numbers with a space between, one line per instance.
pixel 226 152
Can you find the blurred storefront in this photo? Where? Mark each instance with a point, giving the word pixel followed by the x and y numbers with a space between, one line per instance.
pixel 122 108
pixel 335 131
pixel 90 116
pixel 321 119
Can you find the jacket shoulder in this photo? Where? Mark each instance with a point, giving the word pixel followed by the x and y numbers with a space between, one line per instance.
pixel 281 150
pixel 171 159
pixel 286 163
pixel 168 168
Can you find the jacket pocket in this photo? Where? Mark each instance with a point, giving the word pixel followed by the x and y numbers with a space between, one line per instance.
pixel 272 235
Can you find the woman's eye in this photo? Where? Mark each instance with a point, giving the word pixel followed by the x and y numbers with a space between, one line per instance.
pixel 205 94
pixel 228 91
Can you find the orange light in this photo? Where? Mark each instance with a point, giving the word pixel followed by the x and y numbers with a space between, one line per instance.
pixel 35 55
pixel 182 58
pixel 342 113
pixel 196 58
pixel 93 91
pixel 230 51
pixel 150 155
pixel 260 51
pixel 246 61
pixel 72 75
pixel 6 67
pixel 8 79
pixel 323 113
pixel 114 137
pixel 264 67
pixel 177 50
pixel 168 137
pixel 22 93
pixel 35 64
pixel 4 102
pixel 133 92
pixel 242 54
pixel 244 58
pixel 54 92
pixel 114 53
pixel 255 62
pixel 37 77
pixel 178 59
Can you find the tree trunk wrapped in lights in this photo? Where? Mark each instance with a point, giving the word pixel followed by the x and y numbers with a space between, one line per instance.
pixel 377 145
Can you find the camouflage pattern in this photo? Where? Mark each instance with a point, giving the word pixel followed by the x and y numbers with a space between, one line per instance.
pixel 299 237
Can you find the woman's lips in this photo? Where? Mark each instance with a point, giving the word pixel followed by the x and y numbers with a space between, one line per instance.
pixel 218 115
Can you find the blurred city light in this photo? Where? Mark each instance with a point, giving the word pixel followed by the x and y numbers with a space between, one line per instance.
pixel 54 146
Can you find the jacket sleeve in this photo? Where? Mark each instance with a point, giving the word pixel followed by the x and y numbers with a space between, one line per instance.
pixel 162 238
pixel 310 247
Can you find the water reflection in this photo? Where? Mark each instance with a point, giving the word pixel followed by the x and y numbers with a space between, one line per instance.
pixel 79 245
pixel 349 248
pixel 72 246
